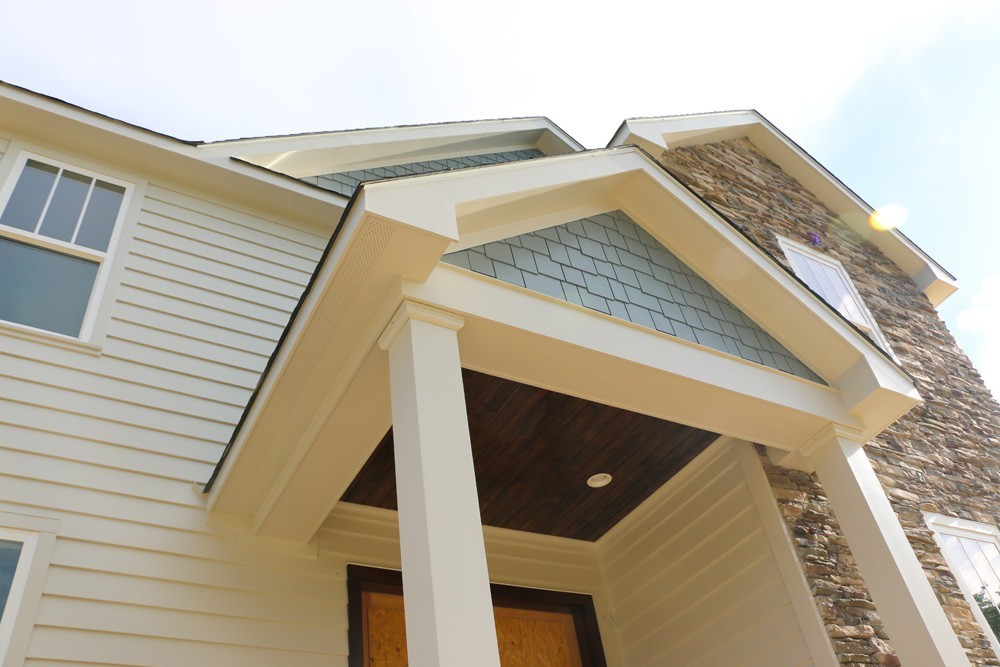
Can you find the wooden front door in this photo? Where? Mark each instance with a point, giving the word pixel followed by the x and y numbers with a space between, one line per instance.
pixel 526 637
pixel 534 628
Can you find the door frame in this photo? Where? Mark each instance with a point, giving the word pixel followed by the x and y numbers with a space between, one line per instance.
pixel 362 578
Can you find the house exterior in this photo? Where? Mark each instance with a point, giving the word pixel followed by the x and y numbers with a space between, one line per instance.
pixel 677 400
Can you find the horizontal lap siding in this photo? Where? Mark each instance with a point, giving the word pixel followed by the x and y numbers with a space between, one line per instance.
pixel 116 447
pixel 694 582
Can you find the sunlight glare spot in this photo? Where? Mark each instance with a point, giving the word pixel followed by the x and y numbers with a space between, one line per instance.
pixel 888 217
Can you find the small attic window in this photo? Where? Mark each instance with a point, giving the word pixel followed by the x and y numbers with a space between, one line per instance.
pixel 828 278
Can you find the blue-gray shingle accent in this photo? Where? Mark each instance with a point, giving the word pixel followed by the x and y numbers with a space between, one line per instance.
pixel 346 182
pixel 610 264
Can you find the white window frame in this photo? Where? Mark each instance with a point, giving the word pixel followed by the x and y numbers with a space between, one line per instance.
pixel 867 323
pixel 103 259
pixel 982 532
pixel 37 536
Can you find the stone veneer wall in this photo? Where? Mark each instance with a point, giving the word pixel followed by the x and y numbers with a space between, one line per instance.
pixel 941 457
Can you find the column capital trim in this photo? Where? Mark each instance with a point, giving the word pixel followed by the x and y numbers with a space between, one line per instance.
pixel 827 433
pixel 413 310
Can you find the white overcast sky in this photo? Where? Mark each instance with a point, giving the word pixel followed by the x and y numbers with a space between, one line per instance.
pixel 896 98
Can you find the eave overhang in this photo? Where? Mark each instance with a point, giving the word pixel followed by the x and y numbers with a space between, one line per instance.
pixel 39 121
pixel 334 152
pixel 323 405
pixel 658 134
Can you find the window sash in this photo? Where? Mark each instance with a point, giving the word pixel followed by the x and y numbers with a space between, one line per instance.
pixel 70 247
pixel 972 551
pixel 19 582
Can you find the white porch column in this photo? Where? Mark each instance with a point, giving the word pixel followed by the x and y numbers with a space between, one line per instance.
pixel 916 623
pixel 449 611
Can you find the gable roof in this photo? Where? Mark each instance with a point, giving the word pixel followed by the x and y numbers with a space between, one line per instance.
pixel 665 133
pixel 322 404
pixel 330 152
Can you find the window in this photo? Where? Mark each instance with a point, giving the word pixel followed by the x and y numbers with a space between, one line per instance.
pixel 26 544
pixel 58 226
pixel 972 551
pixel 827 277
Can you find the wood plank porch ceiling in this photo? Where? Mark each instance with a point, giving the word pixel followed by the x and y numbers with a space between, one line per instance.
pixel 533 451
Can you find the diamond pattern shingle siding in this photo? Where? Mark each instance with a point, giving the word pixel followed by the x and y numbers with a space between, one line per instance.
pixel 610 264
pixel 346 182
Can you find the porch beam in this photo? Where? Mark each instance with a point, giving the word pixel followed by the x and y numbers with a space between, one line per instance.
pixel 913 616
pixel 449 611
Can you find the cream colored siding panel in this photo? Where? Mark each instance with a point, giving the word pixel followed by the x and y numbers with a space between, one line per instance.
pixel 111 410
pixel 624 545
pixel 182 344
pixel 194 329
pixel 239 326
pixel 692 577
pixel 753 640
pixel 166 359
pixel 233 248
pixel 101 454
pixel 168 624
pixel 791 651
pixel 53 498
pixel 122 589
pixel 122 649
pixel 706 624
pixel 149 245
pixel 201 295
pixel 68 423
pixel 48 469
pixel 664 603
pixel 210 215
pixel 20 368
pixel 129 372
pixel 228 262
pixel 204 572
pixel 196 542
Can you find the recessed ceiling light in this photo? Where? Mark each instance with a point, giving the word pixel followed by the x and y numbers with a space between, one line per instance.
pixel 599 480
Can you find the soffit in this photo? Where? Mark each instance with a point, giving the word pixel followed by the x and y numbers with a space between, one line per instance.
pixel 658 134
pixel 534 450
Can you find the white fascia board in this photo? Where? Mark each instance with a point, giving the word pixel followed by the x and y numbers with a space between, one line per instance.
pixel 48 122
pixel 332 152
pixel 658 134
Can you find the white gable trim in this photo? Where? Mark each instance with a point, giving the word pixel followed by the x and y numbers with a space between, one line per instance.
pixel 323 406
pixel 334 152
pixel 659 134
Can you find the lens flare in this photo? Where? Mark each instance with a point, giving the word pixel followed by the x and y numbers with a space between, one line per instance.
pixel 889 216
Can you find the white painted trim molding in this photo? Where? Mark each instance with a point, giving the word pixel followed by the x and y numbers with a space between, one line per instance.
pixel 950 525
pixel 37 536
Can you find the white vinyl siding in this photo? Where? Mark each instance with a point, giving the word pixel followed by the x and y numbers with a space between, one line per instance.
pixel 694 582
pixel 116 448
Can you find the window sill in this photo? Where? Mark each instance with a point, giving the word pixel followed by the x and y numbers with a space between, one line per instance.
pixel 48 338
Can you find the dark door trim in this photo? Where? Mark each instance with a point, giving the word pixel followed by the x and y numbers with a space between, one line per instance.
pixel 361 578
